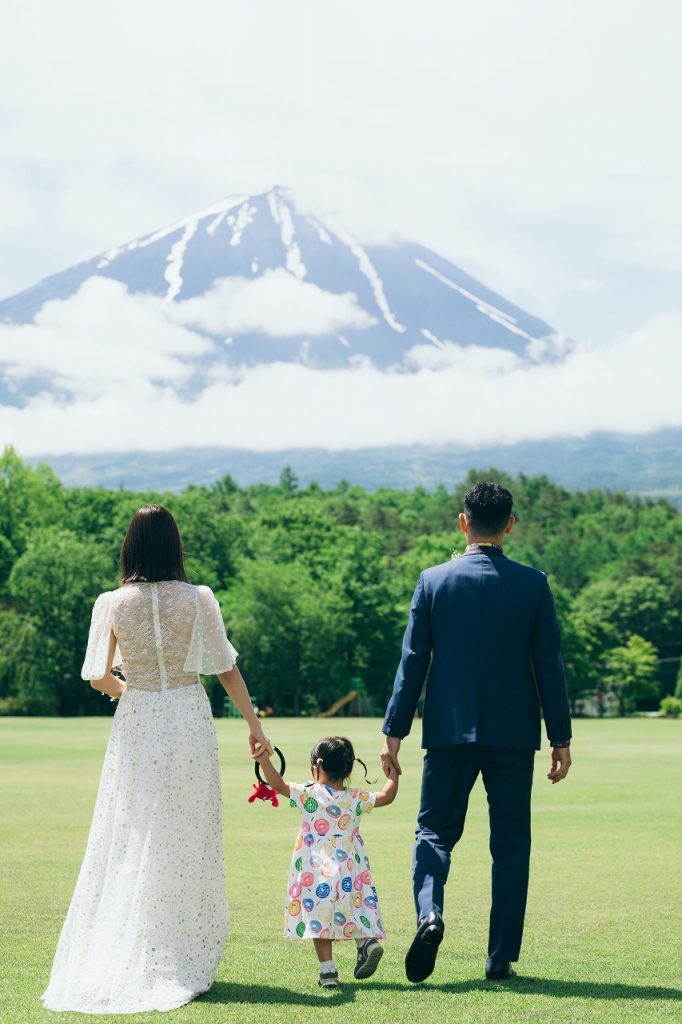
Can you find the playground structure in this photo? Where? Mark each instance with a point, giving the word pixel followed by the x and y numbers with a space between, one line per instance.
pixel 353 696
pixel 354 703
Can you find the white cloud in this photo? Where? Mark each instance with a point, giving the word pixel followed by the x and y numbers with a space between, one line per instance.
pixel 470 359
pixel 99 340
pixel 124 360
pixel 276 303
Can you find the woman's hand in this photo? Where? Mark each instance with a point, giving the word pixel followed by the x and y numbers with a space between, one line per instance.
pixel 259 743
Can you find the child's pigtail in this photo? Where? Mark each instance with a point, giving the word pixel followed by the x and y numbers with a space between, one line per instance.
pixel 364 768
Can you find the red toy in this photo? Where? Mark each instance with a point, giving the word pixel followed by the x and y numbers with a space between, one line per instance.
pixel 261 790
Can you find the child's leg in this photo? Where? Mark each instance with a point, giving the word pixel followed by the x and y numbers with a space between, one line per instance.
pixel 329 976
pixel 323 948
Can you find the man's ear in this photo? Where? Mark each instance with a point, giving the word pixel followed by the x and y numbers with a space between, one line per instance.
pixel 463 525
pixel 510 524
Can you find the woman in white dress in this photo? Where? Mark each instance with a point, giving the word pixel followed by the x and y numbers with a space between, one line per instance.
pixel 148 919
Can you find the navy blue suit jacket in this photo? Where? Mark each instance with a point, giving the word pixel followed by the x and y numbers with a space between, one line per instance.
pixel 485 630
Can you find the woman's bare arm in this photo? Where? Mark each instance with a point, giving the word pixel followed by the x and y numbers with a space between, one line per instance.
pixel 109 683
pixel 236 690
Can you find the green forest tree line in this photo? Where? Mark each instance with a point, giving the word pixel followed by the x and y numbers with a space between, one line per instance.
pixel 315 584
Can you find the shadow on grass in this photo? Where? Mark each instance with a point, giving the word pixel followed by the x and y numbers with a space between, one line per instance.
pixel 232 992
pixel 528 986
pixel 228 992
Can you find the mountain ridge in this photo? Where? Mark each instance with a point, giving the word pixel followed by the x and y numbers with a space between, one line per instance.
pixel 647 466
pixel 403 295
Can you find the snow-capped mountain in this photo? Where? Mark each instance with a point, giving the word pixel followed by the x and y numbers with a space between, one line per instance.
pixel 266 282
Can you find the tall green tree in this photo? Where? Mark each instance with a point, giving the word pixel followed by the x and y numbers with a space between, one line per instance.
pixel 631 672
pixel 53 585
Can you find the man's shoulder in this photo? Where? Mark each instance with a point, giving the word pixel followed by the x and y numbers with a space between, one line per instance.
pixel 529 571
pixel 436 574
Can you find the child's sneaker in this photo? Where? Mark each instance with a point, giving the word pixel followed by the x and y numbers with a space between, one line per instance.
pixel 329 979
pixel 369 955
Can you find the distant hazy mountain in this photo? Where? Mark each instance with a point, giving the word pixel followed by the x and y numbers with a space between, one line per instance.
pixel 648 466
pixel 401 296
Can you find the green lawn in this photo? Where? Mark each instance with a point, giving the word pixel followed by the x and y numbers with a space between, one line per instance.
pixel 603 925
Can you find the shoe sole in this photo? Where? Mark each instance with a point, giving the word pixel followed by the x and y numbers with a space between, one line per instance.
pixel 428 944
pixel 332 984
pixel 371 963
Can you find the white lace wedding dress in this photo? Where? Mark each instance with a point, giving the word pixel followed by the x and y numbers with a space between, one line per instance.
pixel 148 919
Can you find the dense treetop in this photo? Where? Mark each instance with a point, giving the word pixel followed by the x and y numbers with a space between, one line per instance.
pixel 315 584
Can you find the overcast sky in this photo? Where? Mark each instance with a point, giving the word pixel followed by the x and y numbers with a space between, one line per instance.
pixel 536 144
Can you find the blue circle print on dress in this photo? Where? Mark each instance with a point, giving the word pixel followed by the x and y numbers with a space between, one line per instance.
pixel 334 811
pixel 371 903
pixel 341 855
pixel 308 904
pixel 339 918
pixel 315 926
pixel 347 884
pixel 322 890
pixel 309 839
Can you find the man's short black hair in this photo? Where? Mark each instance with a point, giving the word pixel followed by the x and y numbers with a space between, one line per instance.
pixel 488 507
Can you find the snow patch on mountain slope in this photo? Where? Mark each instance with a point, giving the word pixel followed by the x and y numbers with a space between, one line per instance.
pixel 244 217
pixel 504 319
pixel 281 214
pixel 221 207
pixel 173 273
pixel 372 275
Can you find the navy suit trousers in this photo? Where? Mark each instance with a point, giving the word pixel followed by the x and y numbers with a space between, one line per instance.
pixel 449 776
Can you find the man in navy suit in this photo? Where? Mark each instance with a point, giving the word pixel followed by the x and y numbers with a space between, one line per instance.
pixel 485 630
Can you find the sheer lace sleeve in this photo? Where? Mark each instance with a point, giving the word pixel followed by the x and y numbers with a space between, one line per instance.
pixel 101 626
pixel 210 651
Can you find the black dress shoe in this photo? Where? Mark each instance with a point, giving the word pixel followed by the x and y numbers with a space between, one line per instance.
pixel 498 970
pixel 421 956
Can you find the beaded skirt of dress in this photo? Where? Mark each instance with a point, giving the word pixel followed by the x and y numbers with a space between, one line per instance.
pixel 148 919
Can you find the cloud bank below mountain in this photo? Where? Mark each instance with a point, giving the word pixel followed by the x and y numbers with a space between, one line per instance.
pixel 116 366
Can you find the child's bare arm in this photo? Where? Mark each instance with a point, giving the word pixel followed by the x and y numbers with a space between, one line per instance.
pixel 388 793
pixel 272 776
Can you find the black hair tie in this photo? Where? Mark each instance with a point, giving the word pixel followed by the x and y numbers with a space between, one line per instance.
pixel 282 765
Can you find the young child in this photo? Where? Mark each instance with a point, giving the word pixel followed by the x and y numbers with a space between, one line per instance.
pixel 331 895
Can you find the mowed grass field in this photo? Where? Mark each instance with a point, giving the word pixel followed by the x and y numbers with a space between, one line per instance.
pixel 603 926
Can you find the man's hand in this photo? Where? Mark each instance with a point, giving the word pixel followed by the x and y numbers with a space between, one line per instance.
pixel 561 762
pixel 389 756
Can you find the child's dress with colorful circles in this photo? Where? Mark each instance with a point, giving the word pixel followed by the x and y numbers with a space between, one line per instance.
pixel 331 892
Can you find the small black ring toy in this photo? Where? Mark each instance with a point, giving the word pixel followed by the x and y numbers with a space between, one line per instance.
pixel 282 765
